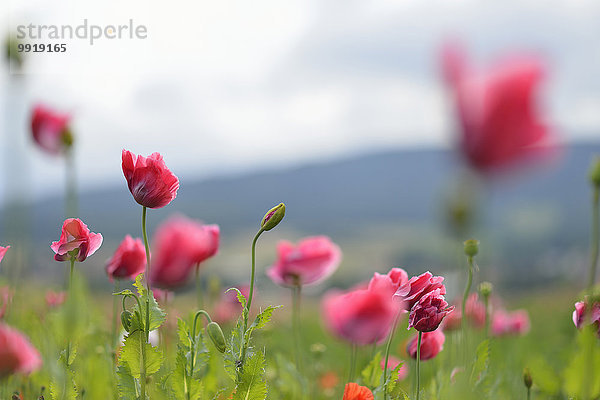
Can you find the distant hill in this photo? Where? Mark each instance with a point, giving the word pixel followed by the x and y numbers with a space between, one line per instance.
pixel 541 212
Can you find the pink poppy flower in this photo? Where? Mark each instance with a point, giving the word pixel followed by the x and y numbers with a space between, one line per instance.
pixel 180 244
pixel 498 111
pixel 475 311
pixel 428 313
pixel 395 278
pixel 360 316
pixel 55 299
pixel 513 323
pixel 393 362
pixel 50 129
pixel 149 180
pixel 581 314
pixel 128 261
pixel 3 251
pixel 17 355
pixel 431 345
pixel 311 261
pixel 419 286
pixel 5 299
pixel 76 240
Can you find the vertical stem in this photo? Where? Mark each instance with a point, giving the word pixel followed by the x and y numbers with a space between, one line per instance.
pixel 595 238
pixel 467 289
pixel 296 293
pixel 71 184
pixel 528 393
pixel 387 356
pixel 199 299
pixel 419 365
pixel 115 329
pixel 250 295
pixel 147 324
pixel 69 300
pixel 486 301
pixel 352 363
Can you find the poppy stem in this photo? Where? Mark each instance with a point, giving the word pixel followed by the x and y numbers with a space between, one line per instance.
pixel 419 365
pixel 199 299
pixel 387 356
pixel 595 238
pixel 528 393
pixel 296 296
pixel 148 294
pixel 114 321
pixel 71 183
pixel 352 362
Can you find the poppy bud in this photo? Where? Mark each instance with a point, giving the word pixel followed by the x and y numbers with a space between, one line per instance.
pixel 273 217
pixel 527 378
pixel 485 288
pixel 471 247
pixel 216 335
pixel 594 172
pixel 126 320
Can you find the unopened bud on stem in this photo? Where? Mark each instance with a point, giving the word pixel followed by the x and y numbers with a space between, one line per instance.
pixel 273 217
pixel 471 247
pixel 527 378
pixel 216 335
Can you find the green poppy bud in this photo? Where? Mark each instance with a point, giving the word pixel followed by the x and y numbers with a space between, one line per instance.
pixel 471 247
pixel 527 378
pixel 273 217
pixel 216 335
pixel 485 288
pixel 126 320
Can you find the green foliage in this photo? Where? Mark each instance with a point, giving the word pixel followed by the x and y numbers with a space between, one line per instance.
pixel 131 355
pixel 64 388
pixel 372 373
pixel 581 374
pixel 482 361
pixel 252 384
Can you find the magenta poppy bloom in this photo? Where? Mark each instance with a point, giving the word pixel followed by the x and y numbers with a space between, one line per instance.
pixel 395 278
pixel 428 313
pixel 3 251
pixel 510 323
pixel 431 345
pixel 582 312
pixel 149 180
pixel 55 299
pixel 360 316
pixel 418 286
pixel 497 109
pixel 50 129
pixel 181 243
pixel 17 355
pixel 313 260
pixel 76 240
pixel 128 261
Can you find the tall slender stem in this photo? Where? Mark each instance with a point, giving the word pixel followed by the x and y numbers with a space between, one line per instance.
pixel 147 324
pixel 467 288
pixel 595 238
pixel 296 293
pixel 250 295
pixel 71 184
pixel 352 362
pixel 114 319
pixel 69 299
pixel 486 302
pixel 419 365
pixel 528 393
pixel 199 299
pixel 387 356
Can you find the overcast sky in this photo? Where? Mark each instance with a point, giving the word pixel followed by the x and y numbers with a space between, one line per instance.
pixel 225 86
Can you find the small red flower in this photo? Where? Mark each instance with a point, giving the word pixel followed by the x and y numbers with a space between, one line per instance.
pixel 431 344
pixel 76 240
pixel 50 129
pixel 17 355
pixel 353 391
pixel 128 261
pixel 149 180
pixel 311 261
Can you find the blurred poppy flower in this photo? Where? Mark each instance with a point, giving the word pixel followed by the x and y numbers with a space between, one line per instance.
pixel 353 391
pixel 180 243
pixel 228 308
pixel 428 313
pixel 311 261
pixel 395 278
pixel 50 129
pixel 3 251
pixel 17 355
pixel 76 240
pixel 393 362
pixel 475 311
pixel 128 261
pixel 149 180
pixel 431 344
pixel 513 323
pixel 497 109
pixel 328 380
pixel 55 299
pixel 582 312
pixel 360 316
pixel 162 296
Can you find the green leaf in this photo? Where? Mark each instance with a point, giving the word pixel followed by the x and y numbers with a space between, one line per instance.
pixel 481 364
pixel 123 293
pixel 579 382
pixel 371 374
pixel 252 384
pixel 233 351
pixel 263 318
pixel 72 354
pixel 157 315
pixel 128 389
pixel 132 355
pixel 239 296
pixel 544 376
pixel 65 390
pixel 139 285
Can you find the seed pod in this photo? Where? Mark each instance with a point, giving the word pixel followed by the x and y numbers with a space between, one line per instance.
pixel 471 247
pixel 126 320
pixel 216 335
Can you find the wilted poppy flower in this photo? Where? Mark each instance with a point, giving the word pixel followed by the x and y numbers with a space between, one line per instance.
pixel 581 313
pixel 180 243
pixel 50 129
pixel 498 111
pixel 311 261
pixel 428 313
pixel 128 261
pixel 419 286
pixel 55 299
pixel 76 240
pixel 17 355
pixel 393 362
pixel 5 299
pixel 149 180
pixel 513 323
pixel 353 391
pixel 431 344
pixel 3 251
pixel 360 316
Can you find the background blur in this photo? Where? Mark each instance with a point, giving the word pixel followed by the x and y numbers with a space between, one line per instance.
pixel 336 108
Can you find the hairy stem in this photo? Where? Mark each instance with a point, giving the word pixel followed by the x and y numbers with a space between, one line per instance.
pixel 387 356
pixel 419 365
